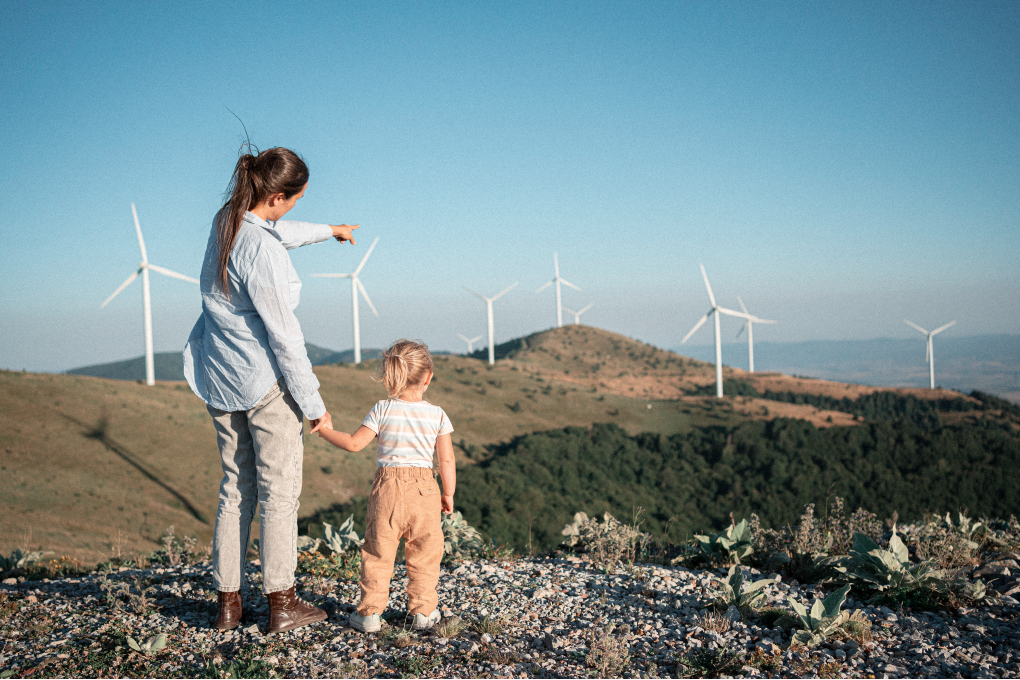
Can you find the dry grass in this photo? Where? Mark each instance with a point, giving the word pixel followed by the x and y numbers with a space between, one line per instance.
pixel 451 627
pixel 714 622
pixel 489 625
pixel 608 655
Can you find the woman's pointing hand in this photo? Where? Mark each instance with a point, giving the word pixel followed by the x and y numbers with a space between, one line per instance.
pixel 343 232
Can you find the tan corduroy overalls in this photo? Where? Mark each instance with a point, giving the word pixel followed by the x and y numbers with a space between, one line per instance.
pixel 405 503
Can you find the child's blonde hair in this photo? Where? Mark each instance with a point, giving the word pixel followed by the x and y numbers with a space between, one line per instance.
pixel 405 363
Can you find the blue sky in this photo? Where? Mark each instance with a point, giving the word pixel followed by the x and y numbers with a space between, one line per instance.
pixel 840 166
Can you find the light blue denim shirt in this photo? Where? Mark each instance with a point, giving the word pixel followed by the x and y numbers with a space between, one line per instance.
pixel 242 345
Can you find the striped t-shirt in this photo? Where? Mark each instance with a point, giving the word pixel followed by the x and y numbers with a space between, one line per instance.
pixel 407 431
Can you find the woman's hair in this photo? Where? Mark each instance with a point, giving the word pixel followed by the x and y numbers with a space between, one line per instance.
pixel 256 178
pixel 406 363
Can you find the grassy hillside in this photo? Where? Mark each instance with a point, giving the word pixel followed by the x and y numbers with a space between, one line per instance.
pixel 89 465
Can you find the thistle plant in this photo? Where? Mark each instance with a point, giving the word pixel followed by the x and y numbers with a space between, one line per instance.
pixel 733 593
pixel 823 619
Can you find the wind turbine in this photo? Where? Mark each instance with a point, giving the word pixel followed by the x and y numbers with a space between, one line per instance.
pixel 470 341
pixel 488 309
pixel 714 312
pixel 577 315
pixel 749 325
pixel 356 286
pixel 929 352
pixel 557 279
pixel 143 269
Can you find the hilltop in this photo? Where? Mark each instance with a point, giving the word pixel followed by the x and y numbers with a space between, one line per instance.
pixel 92 466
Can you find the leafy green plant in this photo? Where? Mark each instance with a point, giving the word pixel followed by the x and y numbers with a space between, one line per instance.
pixel 414 665
pixel 732 545
pixel 460 539
pixel 732 592
pixel 150 646
pixel 21 560
pixel 702 662
pixel 341 539
pixel 881 570
pixel 823 619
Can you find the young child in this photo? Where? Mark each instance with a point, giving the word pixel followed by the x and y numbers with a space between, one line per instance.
pixel 405 501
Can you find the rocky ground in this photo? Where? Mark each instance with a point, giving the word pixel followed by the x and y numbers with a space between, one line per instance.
pixel 515 618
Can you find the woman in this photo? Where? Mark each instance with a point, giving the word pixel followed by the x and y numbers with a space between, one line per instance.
pixel 246 359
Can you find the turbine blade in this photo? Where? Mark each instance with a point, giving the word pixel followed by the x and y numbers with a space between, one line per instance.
pixel 556 264
pixel 138 230
pixel 914 325
pixel 505 291
pixel 731 312
pixel 927 350
pixel 585 309
pixel 942 328
pixel 365 259
pixel 757 320
pixel 568 283
pixel 742 329
pixel 332 276
pixel 166 272
pixel 121 287
pixel 461 336
pixel 477 339
pixel 570 311
pixel 365 295
pixel 545 285
pixel 708 286
pixel 476 294
pixel 742 305
pixel 698 325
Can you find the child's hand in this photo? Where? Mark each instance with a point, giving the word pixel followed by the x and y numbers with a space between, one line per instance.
pixel 447 504
pixel 325 421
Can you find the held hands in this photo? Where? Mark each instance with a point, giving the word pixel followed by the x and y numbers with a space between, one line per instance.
pixel 326 421
pixel 344 232
pixel 447 504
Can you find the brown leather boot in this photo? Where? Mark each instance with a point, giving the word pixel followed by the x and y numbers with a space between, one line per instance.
pixel 287 611
pixel 230 611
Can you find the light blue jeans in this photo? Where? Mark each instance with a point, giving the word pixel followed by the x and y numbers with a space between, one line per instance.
pixel 261 450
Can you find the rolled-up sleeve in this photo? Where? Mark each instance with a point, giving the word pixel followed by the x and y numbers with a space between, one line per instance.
pixel 267 285
pixel 296 234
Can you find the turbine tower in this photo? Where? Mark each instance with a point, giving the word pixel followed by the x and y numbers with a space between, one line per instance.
pixel 488 309
pixel 577 315
pixel 557 279
pixel 749 325
pixel 470 341
pixel 929 352
pixel 356 287
pixel 714 312
pixel 143 269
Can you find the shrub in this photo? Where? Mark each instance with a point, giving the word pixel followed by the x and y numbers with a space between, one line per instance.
pixel 607 655
pixel 460 539
pixel 733 593
pixel 729 547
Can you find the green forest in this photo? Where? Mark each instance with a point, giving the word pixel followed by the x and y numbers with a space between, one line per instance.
pixel 902 459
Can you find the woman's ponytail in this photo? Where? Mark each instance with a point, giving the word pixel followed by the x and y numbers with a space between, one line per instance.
pixel 255 178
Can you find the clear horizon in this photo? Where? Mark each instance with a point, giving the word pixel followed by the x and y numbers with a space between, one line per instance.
pixel 840 167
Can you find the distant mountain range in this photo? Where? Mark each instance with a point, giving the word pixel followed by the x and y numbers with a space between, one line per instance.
pixel 170 365
pixel 990 363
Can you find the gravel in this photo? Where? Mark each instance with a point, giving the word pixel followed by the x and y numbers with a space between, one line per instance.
pixel 544 616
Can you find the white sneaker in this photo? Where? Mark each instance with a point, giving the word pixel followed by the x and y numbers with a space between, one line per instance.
pixel 366 624
pixel 422 622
